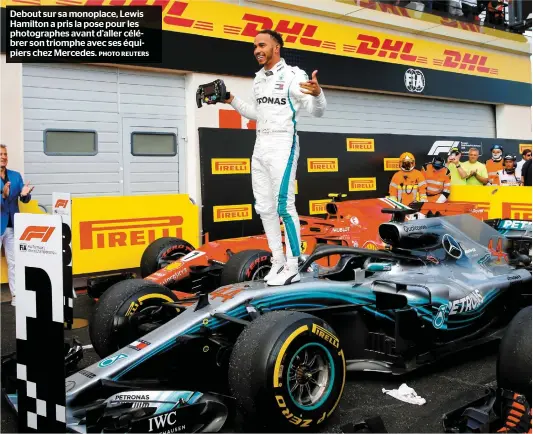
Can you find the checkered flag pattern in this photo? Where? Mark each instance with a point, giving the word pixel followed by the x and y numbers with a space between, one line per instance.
pixel 40 330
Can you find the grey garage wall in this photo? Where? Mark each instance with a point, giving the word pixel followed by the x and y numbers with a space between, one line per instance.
pixel 363 112
pixel 113 102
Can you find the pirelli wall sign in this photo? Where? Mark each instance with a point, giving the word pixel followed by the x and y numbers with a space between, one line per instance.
pixel 111 233
pixel 359 165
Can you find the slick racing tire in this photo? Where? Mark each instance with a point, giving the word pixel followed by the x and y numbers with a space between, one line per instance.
pixel 287 372
pixel 514 358
pixel 246 265
pixel 113 326
pixel 162 252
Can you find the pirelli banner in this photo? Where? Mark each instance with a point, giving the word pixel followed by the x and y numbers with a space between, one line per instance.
pixel 360 166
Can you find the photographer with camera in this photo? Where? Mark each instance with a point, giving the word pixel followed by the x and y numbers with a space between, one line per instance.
pixel 458 174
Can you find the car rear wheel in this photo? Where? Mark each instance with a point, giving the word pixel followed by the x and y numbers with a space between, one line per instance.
pixel 287 370
pixel 245 266
pixel 124 312
pixel 162 252
pixel 514 358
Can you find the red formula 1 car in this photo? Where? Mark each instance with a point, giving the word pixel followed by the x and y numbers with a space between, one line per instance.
pixel 176 264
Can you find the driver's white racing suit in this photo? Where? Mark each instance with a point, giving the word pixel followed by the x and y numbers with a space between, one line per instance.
pixel 277 103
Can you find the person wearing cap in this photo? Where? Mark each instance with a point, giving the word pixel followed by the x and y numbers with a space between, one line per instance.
pixel 408 184
pixel 438 180
pixel 477 171
pixel 509 175
pixel 526 155
pixel 457 173
pixel 495 163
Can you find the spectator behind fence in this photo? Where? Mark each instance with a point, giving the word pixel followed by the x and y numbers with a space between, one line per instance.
pixel 457 173
pixel 526 173
pixel 476 171
pixel 526 155
pixel 495 163
pixel 13 188
pixel 509 175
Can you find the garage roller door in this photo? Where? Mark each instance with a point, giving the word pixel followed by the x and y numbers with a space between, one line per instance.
pixel 361 112
pixel 102 100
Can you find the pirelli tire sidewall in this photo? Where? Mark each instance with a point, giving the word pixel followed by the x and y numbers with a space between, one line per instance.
pixel 120 302
pixel 161 249
pixel 273 343
pixel 243 266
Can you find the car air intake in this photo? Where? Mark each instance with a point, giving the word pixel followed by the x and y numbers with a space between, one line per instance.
pixel 389 233
pixel 331 208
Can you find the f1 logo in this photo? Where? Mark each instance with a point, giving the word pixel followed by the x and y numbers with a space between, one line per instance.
pixel 41 232
pixel 61 203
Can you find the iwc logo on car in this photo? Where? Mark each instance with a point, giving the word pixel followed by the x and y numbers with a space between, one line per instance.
pixel 414 80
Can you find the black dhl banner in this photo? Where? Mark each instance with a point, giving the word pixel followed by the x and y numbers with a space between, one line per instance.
pixel 360 166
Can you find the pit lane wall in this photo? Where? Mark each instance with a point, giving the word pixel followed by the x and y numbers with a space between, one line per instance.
pixel 360 166
pixel 111 233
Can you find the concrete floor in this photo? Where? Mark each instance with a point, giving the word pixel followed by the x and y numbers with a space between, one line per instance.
pixel 445 386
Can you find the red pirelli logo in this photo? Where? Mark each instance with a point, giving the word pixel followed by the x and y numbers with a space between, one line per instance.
pixel 517 211
pixel 227 213
pixel 362 184
pixel 322 165
pixel 318 206
pixel 100 234
pixel 42 233
pixel 230 166
pixel 360 145
pixel 391 164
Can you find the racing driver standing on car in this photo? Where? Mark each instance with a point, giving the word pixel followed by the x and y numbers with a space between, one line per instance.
pixel 279 91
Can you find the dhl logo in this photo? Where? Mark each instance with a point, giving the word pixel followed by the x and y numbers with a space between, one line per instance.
pixel 523 146
pixel 322 164
pixel 230 166
pixel 391 164
pixel 228 213
pixel 516 211
pixel 318 206
pixel 235 22
pixel 360 145
pixel 128 232
pixel 42 233
pixel 471 62
pixel 387 48
pixel 362 184
pixel 291 31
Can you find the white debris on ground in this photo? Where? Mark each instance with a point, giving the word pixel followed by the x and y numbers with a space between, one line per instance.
pixel 406 394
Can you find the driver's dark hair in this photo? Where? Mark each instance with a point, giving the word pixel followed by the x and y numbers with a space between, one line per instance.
pixel 275 35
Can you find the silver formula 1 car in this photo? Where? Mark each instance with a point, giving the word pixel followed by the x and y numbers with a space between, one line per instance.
pixel 281 354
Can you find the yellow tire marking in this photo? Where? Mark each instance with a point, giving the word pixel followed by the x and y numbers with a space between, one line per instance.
pixel 341 353
pixel 148 296
pixel 277 366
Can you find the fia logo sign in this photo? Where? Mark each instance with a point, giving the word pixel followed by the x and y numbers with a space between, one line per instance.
pixel 414 80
